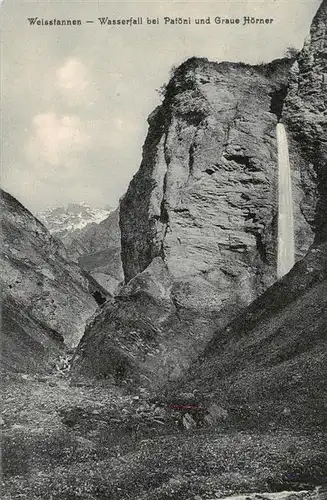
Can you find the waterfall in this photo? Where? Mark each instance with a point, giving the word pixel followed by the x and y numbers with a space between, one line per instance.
pixel 286 257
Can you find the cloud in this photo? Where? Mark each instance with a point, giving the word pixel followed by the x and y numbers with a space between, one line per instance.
pixel 72 76
pixel 55 140
pixel 73 83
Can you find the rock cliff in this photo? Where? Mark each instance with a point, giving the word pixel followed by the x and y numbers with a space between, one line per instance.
pixel 27 344
pixel 269 364
pixel 204 198
pixel 48 298
pixel 198 222
pixel 304 113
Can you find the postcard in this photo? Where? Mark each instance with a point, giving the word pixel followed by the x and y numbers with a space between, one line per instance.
pixel 163 249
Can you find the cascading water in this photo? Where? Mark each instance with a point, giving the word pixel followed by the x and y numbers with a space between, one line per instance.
pixel 286 251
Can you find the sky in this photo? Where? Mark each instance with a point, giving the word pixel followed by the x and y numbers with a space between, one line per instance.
pixel 75 99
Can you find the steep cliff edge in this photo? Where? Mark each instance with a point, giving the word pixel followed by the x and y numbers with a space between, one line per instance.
pixel 198 222
pixel 47 299
pixel 304 113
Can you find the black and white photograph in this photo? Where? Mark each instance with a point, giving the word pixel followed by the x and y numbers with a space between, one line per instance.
pixel 163 250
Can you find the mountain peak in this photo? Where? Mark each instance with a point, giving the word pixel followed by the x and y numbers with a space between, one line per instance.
pixel 64 220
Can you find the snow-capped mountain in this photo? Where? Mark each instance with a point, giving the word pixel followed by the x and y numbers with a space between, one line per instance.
pixel 91 237
pixel 63 221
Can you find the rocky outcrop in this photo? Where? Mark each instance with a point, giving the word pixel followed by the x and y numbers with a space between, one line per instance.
pixel 51 296
pixel 204 198
pixel 97 249
pixel 145 335
pixel 268 366
pixel 304 113
pixel 198 222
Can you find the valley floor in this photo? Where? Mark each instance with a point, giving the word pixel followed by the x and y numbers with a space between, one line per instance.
pixel 90 441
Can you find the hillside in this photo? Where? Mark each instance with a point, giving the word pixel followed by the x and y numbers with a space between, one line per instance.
pixel 48 297
pixel 267 368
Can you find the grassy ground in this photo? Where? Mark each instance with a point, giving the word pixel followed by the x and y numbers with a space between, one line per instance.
pixel 90 441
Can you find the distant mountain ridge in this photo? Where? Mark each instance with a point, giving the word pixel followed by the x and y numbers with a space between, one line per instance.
pixel 63 221
pixel 91 237
pixel 97 248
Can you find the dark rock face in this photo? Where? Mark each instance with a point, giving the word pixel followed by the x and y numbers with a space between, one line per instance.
pixel 304 113
pixel 268 365
pixel 39 282
pixel 97 249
